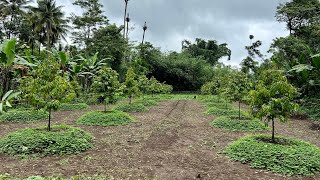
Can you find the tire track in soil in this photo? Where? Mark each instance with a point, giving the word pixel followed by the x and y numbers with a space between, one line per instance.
pixel 183 146
pixel 165 134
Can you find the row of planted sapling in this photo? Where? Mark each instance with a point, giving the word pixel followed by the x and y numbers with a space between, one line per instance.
pixel 272 99
pixel 47 89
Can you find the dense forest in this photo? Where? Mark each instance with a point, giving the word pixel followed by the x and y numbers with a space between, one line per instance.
pixel 49 59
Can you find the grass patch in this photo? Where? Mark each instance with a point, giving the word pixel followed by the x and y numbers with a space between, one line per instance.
pixel 208 99
pixel 109 118
pixel 288 156
pixel 73 107
pixel 220 105
pixel 234 124
pixel 224 112
pixel 60 140
pixel 23 116
pixel 133 107
pixel 147 102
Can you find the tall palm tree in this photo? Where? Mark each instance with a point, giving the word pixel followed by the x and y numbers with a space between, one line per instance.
pixel 124 19
pixel 51 21
pixel 145 27
pixel 31 20
pixel 10 11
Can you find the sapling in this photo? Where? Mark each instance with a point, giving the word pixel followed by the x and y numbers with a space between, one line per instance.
pixel 273 98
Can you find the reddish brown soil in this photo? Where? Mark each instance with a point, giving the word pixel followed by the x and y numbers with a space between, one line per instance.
pixel 171 141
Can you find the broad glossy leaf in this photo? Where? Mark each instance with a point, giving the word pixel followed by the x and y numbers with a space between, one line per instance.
pixel 63 57
pixel 316 61
pixel 22 61
pixel 9 49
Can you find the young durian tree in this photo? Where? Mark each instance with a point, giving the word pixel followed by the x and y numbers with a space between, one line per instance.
pixel 131 84
pixel 273 98
pixel 106 83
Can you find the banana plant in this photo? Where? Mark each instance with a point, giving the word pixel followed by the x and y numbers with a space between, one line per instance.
pixel 87 68
pixel 309 73
pixel 9 58
pixel 64 60
pixel 6 98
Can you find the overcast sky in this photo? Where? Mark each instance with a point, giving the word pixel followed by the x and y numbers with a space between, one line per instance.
pixel 171 21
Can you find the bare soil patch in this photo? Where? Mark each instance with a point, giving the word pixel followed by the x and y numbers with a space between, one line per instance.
pixel 171 141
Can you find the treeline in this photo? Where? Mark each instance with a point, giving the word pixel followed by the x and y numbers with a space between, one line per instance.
pixel 95 43
pixel 295 56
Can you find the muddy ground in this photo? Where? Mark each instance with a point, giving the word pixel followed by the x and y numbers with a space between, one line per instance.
pixel 171 141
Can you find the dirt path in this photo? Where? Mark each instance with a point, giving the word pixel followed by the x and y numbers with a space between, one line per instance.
pixel 171 141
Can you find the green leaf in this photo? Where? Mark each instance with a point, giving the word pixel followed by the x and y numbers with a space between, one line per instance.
pixel 301 67
pixel 6 95
pixel 63 57
pixel 13 95
pixel 8 104
pixel 9 49
pixel 22 61
pixel 316 61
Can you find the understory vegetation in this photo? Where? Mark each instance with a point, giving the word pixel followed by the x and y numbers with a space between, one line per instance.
pixel 286 156
pixel 108 118
pixel 60 140
pixel 24 115
pixel 234 124
pixel 310 108
pixel 71 107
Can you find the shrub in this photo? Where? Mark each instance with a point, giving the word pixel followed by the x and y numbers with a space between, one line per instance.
pixel 72 107
pixel 287 156
pixel 60 140
pixel 108 118
pixel 133 107
pixel 92 101
pixel 234 124
pixel 311 107
pixel 106 83
pixel 24 116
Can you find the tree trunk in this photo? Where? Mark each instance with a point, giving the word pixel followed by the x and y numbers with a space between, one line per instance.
pixel 239 109
pixel 124 19
pixel 32 47
pixel 48 42
pixel 143 36
pixel 105 105
pixel 49 122
pixel 32 40
pixel 127 33
pixel 130 99
pixel 273 140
